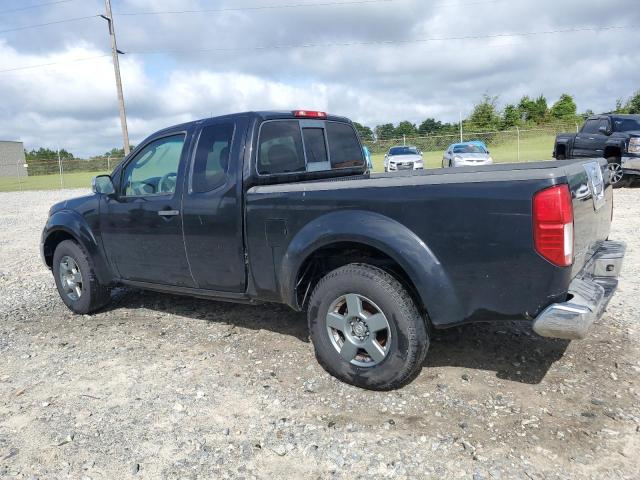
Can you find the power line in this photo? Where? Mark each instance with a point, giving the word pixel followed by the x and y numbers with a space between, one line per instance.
pixel 310 45
pixel 56 22
pixel 38 5
pixel 385 42
pixel 261 7
pixel 72 60
pixel 295 5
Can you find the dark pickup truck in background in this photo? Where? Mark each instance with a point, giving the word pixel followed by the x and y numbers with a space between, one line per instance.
pixel 280 207
pixel 613 137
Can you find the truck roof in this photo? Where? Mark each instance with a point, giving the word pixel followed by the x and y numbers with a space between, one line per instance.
pixel 261 115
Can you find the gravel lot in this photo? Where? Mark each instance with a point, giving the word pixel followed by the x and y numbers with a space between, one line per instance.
pixel 168 387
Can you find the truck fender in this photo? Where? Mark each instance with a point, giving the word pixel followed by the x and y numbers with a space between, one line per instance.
pixel 385 234
pixel 566 142
pixel 71 224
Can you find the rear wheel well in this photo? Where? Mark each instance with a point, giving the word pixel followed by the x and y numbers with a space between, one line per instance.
pixel 561 150
pixel 336 255
pixel 52 242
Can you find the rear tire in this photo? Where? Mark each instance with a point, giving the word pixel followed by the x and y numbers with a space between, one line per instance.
pixel 77 283
pixel 616 175
pixel 366 329
pixel 561 157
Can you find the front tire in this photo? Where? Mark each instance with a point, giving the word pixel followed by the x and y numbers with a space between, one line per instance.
pixel 76 280
pixel 366 329
pixel 616 174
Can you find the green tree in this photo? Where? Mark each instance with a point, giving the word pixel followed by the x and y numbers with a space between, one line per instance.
pixel 385 131
pixel 406 128
pixel 510 116
pixel 633 105
pixel 485 115
pixel 534 111
pixel 564 108
pixel 430 125
pixel 366 134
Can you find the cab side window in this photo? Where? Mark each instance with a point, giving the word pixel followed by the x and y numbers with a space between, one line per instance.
pixel 154 171
pixel 211 161
pixel 590 126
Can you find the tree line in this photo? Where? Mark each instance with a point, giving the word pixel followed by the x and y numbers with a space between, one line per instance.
pixel 487 116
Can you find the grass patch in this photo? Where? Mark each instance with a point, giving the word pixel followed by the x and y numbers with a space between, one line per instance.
pixel 532 148
pixel 47 182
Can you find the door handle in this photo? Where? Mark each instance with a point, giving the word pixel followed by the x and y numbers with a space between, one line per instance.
pixel 169 213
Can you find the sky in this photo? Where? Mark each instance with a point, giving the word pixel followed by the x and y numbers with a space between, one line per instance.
pixel 374 61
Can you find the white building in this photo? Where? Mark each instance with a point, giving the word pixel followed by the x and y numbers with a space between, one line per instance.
pixel 12 161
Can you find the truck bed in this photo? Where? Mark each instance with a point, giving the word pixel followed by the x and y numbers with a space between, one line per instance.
pixel 475 222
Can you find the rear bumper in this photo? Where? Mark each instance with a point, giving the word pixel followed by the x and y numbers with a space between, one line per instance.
pixel 589 294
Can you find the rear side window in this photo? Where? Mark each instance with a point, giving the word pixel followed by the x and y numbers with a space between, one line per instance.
pixel 211 160
pixel 287 146
pixel 344 148
pixel 280 149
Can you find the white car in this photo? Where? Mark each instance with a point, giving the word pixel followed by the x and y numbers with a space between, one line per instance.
pixel 466 154
pixel 403 158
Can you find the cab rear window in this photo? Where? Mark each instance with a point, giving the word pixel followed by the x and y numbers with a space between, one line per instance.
pixel 294 146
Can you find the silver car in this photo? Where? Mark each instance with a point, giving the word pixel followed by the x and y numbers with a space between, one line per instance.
pixel 466 154
pixel 403 158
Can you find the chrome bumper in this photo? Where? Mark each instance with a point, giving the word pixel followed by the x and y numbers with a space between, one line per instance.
pixel 631 164
pixel 589 294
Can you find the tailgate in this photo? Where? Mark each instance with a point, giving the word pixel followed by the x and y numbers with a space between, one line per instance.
pixel 592 197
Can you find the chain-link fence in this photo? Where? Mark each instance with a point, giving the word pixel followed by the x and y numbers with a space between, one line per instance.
pixel 515 145
pixel 48 173
pixel 506 146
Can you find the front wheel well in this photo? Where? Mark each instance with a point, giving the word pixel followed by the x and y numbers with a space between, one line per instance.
pixel 336 255
pixel 52 242
pixel 612 152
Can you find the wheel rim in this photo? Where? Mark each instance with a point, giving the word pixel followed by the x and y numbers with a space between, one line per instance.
pixel 358 330
pixel 615 172
pixel 70 278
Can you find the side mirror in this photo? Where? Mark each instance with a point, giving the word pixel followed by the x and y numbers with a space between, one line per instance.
pixel 103 184
pixel 604 130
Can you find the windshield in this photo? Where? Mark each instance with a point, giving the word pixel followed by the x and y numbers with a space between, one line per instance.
pixel 468 149
pixel 626 124
pixel 403 151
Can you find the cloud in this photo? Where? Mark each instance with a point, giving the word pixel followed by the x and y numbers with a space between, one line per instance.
pixel 412 76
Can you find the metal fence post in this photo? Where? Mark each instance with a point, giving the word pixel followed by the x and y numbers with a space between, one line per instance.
pixel 61 172
pixel 518 142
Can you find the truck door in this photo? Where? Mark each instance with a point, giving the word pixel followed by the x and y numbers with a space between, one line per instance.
pixel 600 139
pixel 141 225
pixel 212 207
pixel 585 142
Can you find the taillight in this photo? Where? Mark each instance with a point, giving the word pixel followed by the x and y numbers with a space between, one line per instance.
pixel 553 225
pixel 309 114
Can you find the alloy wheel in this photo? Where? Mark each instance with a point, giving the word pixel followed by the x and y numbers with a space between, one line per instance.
pixel 70 278
pixel 358 330
pixel 615 172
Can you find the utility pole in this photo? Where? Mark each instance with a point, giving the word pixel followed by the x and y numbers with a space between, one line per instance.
pixel 116 67
pixel 460 117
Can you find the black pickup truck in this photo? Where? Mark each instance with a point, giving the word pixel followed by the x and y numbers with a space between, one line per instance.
pixel 613 137
pixel 280 207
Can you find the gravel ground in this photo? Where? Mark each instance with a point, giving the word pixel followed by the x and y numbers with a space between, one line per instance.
pixel 160 386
